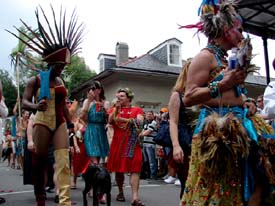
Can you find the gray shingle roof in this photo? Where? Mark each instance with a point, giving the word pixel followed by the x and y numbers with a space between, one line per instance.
pixel 150 63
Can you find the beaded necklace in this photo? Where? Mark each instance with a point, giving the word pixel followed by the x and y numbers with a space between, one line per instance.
pixel 219 52
pixel 128 111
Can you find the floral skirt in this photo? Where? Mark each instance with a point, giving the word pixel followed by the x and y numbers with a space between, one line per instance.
pixel 221 146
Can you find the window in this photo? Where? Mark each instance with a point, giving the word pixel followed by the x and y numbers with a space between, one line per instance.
pixel 174 54
pixel 101 65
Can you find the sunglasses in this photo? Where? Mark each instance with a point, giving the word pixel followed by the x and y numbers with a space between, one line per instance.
pixel 93 88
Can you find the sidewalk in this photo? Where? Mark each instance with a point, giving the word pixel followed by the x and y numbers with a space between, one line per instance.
pixel 151 192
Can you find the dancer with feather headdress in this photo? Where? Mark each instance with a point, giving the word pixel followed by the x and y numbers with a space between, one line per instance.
pixel 56 43
pixel 228 137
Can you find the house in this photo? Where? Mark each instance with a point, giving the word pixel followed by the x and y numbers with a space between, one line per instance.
pixel 150 76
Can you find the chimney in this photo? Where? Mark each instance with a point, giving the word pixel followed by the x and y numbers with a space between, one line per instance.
pixel 122 53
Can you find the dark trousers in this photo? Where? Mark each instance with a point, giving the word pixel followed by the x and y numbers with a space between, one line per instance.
pixel 39 169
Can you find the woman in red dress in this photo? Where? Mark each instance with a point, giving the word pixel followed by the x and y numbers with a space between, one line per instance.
pixel 125 151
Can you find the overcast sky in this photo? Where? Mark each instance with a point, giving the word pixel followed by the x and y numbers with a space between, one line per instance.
pixel 141 24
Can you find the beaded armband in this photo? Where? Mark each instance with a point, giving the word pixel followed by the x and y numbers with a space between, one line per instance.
pixel 214 89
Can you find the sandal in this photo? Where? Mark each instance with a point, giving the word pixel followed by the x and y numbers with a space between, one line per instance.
pixel 13 165
pixel 137 202
pixel 120 197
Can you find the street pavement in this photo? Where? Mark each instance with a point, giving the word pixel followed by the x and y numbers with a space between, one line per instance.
pixel 152 193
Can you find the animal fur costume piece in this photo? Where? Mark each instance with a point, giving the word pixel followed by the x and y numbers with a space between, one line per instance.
pixel 223 142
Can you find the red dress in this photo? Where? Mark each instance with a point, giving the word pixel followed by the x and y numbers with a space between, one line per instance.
pixel 118 160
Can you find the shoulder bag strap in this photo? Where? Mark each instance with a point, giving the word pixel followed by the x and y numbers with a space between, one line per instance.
pixel 181 102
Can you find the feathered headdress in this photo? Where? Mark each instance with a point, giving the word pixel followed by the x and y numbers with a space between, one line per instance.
pixel 55 42
pixel 215 16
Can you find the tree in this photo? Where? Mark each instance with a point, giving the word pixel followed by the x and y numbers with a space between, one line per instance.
pixel 21 59
pixel 77 73
pixel 9 90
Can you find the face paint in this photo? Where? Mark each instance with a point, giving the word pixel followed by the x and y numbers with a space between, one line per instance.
pixel 235 31
pixel 234 36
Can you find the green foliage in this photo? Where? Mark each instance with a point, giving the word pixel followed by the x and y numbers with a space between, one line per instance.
pixel 9 89
pixel 22 57
pixel 76 73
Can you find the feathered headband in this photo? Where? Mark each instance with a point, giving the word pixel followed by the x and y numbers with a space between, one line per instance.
pixel 55 42
pixel 215 16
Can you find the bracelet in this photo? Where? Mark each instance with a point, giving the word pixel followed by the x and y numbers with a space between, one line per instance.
pixel 214 90
pixel 70 125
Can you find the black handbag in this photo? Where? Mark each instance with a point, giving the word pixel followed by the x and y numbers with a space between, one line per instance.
pixel 184 130
pixel 163 135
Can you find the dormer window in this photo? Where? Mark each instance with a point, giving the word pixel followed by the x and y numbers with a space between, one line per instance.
pixel 174 55
pixel 168 52
pixel 106 61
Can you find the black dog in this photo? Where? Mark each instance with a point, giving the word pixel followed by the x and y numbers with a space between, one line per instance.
pixel 98 178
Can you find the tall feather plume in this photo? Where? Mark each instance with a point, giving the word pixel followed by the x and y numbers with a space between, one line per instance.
pixel 64 28
pixel 56 27
pixel 42 32
pixel 71 28
pixel 53 36
pixel 25 42
pixel 49 26
pixel 60 26
pixel 31 39
pixel 35 35
pixel 77 39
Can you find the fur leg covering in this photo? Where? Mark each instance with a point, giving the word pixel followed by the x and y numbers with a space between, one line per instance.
pixel 63 176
